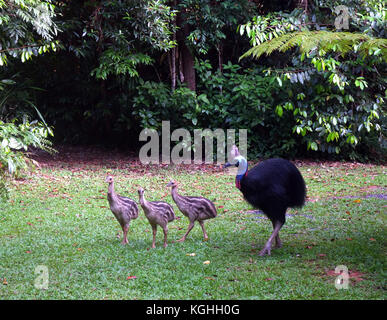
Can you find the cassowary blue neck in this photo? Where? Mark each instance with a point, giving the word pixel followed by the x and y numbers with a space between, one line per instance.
pixel 242 170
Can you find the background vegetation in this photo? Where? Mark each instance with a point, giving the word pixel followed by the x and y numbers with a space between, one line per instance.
pixel 98 72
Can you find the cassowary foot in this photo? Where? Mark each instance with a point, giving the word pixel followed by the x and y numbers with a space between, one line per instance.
pixel 278 244
pixel 124 242
pixel 265 251
pixel 206 239
pixel 181 240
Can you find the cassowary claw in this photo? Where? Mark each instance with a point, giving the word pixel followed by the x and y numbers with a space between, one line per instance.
pixel 265 250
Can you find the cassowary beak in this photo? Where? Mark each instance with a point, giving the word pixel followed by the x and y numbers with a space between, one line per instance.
pixel 228 164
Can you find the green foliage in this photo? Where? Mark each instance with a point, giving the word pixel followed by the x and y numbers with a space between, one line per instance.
pixel 325 41
pixel 334 95
pixel 264 28
pixel 232 99
pixel 123 34
pixel 27 29
pixel 211 23
pixel 15 139
pixel 325 93
pixel 116 62
pixel 156 102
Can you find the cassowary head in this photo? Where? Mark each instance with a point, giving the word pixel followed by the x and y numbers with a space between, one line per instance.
pixel 237 161
pixel 109 179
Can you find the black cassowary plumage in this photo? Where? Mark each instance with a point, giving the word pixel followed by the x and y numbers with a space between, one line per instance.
pixel 273 186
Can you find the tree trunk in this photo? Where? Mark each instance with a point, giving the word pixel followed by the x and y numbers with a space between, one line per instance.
pixel 173 55
pixel 188 64
pixel 220 56
pixel 183 57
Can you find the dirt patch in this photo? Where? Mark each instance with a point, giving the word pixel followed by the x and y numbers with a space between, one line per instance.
pixel 93 157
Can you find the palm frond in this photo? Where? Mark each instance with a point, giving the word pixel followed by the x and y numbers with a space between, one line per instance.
pixel 342 42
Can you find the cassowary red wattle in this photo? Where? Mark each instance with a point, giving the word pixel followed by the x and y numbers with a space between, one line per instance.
pixel 273 186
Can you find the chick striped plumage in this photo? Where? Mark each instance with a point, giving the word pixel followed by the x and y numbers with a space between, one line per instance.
pixel 157 213
pixel 194 208
pixel 123 208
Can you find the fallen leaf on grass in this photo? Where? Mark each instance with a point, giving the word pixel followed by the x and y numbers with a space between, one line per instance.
pixel 131 277
pixel 372 239
pixel 191 254
pixel 209 278
pixel 5 282
pixel 352 275
pixel 207 262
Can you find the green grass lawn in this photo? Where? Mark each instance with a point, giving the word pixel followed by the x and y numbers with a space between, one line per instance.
pixel 59 217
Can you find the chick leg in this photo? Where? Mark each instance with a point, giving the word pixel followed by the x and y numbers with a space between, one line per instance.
pixel 154 229
pixel 204 230
pixel 190 226
pixel 125 229
pixel 165 229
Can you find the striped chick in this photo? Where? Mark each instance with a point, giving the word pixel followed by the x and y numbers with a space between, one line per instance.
pixel 157 213
pixel 123 208
pixel 194 208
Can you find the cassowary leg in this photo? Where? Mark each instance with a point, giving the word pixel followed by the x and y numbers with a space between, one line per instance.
pixel 190 226
pixel 267 248
pixel 278 243
pixel 165 229
pixel 154 231
pixel 204 230
pixel 125 229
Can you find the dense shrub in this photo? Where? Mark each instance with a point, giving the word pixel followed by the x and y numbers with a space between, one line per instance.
pixel 15 140
pixel 277 116
pixel 233 99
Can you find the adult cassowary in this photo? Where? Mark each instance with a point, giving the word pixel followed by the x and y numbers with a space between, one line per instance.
pixel 271 186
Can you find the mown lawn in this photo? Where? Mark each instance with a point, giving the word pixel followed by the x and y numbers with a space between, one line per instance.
pixel 59 217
